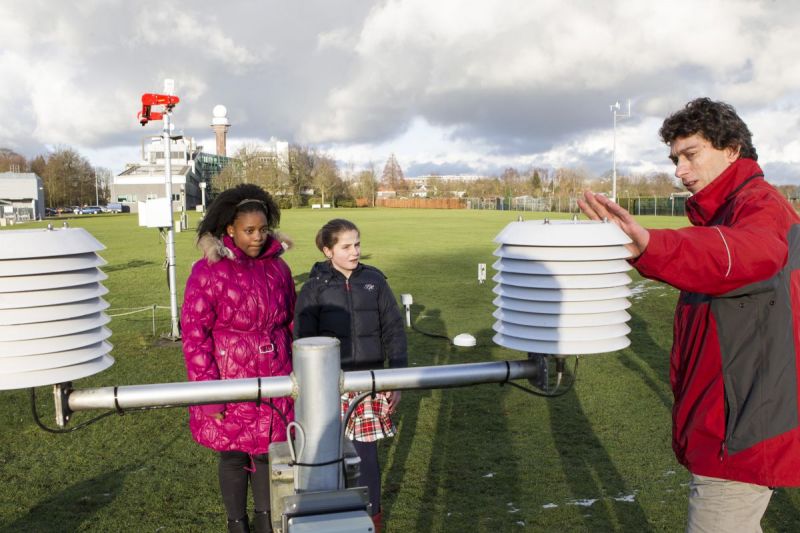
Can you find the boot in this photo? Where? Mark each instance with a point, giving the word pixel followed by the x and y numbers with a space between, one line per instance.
pixel 376 520
pixel 239 526
pixel 262 522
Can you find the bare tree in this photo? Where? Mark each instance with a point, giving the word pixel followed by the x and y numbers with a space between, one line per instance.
pixel 68 178
pixel 11 161
pixel 299 176
pixel 367 185
pixel 325 175
pixel 392 176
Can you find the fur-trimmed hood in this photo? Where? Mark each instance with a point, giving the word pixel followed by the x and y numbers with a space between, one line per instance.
pixel 215 249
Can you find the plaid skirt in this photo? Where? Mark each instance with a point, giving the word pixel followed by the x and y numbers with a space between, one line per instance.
pixel 370 421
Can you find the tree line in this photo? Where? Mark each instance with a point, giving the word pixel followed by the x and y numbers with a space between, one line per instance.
pixel 68 178
pixel 307 175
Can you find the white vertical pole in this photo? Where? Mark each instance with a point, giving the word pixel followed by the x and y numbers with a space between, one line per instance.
pixel 173 292
pixel 317 410
pixel 614 157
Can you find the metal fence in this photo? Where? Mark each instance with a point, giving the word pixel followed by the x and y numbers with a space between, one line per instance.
pixel 637 205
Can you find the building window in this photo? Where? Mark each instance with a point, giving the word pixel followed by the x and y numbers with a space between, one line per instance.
pixel 151 196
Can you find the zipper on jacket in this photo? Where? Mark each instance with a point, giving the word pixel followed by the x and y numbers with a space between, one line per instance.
pixel 723 449
pixel 352 320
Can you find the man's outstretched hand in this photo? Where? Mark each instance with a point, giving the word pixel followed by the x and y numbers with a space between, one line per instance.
pixel 598 207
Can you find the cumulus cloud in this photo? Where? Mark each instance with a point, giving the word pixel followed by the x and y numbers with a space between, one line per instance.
pixel 444 85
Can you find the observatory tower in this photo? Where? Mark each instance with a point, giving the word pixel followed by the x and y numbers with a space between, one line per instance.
pixel 220 125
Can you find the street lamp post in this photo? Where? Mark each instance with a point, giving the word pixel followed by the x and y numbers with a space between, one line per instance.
pixel 203 193
pixel 615 115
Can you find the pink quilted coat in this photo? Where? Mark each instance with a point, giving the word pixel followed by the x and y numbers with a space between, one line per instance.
pixel 236 323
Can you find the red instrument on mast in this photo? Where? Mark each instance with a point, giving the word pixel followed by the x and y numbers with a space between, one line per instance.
pixel 149 100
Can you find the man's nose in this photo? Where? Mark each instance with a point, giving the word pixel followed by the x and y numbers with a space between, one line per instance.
pixel 681 169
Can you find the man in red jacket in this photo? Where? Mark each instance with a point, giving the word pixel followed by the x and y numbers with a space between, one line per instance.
pixel 734 360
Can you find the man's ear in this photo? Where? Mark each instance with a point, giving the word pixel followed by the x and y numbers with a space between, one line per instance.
pixel 732 153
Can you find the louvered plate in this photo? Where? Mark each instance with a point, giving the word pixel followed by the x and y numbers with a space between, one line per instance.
pixel 46 361
pixel 551 268
pixel 27 243
pixel 38 378
pixel 588 333
pixel 595 281
pixel 542 253
pixel 555 308
pixel 562 295
pixel 30 315
pixel 561 321
pixel 48 265
pixel 56 280
pixel 562 348
pixel 19 300
pixel 40 330
pixel 581 233
pixel 53 344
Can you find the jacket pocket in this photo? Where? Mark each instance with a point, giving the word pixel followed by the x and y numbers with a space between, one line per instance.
pixel 758 363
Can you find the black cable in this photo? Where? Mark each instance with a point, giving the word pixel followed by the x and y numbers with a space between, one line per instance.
pixel 349 413
pixel 52 430
pixel 326 463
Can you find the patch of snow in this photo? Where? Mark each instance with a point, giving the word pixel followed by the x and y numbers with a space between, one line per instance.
pixel 490 474
pixel 549 506
pixel 588 502
pixel 627 498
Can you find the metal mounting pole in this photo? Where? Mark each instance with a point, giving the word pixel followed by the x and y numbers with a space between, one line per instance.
pixel 318 411
pixel 175 334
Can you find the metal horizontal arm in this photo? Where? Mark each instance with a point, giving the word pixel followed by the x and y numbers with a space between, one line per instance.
pixel 247 390
pixel 177 394
pixel 439 377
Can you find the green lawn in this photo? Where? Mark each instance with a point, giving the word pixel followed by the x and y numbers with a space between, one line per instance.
pixel 482 459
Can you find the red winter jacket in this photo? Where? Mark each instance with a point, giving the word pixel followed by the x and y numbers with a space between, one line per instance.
pixel 734 362
pixel 235 323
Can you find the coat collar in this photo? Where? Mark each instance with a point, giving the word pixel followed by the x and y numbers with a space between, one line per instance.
pixel 272 248
pixel 324 269
pixel 703 206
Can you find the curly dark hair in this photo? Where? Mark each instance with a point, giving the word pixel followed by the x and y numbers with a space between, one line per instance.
pixel 228 204
pixel 716 121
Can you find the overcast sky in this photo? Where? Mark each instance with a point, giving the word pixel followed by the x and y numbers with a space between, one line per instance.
pixel 449 86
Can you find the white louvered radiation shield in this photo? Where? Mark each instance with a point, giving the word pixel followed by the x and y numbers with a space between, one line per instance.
pixel 562 287
pixel 52 324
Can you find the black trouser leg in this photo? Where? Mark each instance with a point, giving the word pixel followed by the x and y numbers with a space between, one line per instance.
pixel 370 472
pixel 259 480
pixel 233 483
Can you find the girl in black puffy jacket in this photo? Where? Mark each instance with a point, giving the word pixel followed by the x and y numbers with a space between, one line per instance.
pixel 346 299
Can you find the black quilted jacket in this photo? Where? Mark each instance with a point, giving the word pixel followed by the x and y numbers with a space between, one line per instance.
pixel 361 312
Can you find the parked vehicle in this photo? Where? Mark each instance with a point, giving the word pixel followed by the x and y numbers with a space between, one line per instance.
pixel 116 207
pixel 91 210
pixel 50 212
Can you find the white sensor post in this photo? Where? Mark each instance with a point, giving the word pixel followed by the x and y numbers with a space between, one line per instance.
pixel 481 273
pixel 407 300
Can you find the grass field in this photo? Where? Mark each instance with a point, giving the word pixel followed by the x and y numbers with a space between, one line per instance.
pixel 480 459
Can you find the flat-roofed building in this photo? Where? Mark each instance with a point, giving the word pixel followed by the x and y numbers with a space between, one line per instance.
pixel 21 196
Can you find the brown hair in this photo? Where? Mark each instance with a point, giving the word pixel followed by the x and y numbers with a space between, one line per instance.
pixel 716 121
pixel 328 235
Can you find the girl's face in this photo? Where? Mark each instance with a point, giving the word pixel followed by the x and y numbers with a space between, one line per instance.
pixel 345 253
pixel 249 232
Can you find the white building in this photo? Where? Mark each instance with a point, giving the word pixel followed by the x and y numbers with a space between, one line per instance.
pixel 21 196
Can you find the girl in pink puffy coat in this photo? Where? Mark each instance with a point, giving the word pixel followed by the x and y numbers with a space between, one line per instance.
pixel 236 323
